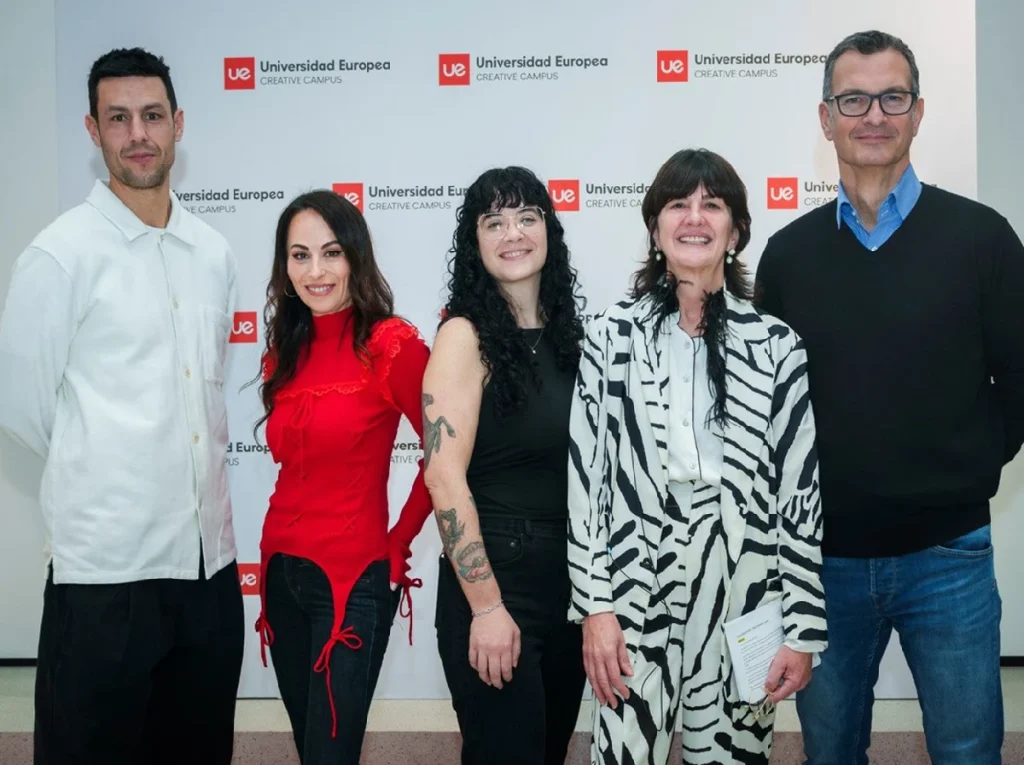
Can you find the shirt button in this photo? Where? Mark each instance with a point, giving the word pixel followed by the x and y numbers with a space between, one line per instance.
pixel 686 379
pixel 686 423
pixel 195 438
pixel 693 466
pixel 188 372
pixel 175 304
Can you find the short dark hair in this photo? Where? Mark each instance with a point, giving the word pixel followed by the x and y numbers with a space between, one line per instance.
pixel 679 177
pixel 868 43
pixel 128 62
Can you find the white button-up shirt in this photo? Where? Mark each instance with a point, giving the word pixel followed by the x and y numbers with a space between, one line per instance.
pixel 112 351
pixel 695 446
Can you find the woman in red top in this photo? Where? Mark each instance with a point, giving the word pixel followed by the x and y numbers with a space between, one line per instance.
pixel 339 373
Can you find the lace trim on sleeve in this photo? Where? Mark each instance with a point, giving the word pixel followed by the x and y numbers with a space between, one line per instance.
pixel 385 344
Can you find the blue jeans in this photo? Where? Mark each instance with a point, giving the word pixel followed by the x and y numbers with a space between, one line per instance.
pixel 300 611
pixel 944 605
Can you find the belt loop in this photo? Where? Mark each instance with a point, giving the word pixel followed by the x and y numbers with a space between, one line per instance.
pixel 527 527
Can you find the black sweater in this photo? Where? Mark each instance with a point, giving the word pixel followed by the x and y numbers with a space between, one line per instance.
pixel 915 364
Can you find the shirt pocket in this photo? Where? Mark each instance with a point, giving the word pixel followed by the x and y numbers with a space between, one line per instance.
pixel 213 331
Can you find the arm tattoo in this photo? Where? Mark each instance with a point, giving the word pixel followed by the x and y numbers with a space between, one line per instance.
pixel 451 530
pixel 432 431
pixel 473 563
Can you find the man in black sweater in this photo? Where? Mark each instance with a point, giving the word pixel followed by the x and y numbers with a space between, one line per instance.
pixel 909 300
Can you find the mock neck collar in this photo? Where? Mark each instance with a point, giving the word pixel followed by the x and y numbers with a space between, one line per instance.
pixel 333 324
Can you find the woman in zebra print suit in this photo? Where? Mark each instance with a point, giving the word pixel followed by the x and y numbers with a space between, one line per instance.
pixel 693 486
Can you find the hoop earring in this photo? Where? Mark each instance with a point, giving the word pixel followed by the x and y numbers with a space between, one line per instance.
pixel 730 257
pixel 287 294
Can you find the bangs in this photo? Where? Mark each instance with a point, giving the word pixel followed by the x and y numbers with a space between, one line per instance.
pixel 504 188
pixel 511 196
pixel 681 179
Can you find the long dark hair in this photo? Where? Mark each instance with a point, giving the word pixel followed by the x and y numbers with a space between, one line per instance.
pixel 475 295
pixel 289 321
pixel 679 177
pixel 682 174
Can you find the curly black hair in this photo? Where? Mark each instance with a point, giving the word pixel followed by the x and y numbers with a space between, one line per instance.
pixel 475 295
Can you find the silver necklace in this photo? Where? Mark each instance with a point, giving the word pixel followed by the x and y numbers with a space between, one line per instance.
pixel 533 348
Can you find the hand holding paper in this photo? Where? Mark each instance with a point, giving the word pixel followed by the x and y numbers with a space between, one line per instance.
pixel 790 672
pixel 760 661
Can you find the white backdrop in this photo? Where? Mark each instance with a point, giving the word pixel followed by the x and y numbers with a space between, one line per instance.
pixel 592 96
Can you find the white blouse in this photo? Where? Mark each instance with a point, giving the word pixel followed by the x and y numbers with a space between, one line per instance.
pixel 694 443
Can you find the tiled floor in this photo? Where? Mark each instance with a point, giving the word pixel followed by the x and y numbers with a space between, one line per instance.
pixel 411 732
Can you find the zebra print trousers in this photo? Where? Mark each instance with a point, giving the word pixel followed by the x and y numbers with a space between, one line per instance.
pixel 677 671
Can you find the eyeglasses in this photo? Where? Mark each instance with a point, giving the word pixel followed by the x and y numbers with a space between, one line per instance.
pixel 528 220
pixel 763 708
pixel 893 102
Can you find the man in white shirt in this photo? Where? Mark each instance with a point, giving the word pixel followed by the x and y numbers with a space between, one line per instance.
pixel 112 349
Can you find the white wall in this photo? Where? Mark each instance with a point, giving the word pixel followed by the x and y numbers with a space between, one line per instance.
pixel 1001 185
pixel 28 200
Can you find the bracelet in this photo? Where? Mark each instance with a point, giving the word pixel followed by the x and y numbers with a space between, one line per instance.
pixel 487 610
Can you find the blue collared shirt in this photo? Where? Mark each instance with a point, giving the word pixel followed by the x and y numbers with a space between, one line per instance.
pixel 891 214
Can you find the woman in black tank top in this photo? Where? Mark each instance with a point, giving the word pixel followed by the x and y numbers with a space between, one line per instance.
pixel 496 401
pixel 519 463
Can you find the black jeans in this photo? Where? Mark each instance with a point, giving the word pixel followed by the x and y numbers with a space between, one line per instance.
pixel 139 672
pixel 532 718
pixel 300 611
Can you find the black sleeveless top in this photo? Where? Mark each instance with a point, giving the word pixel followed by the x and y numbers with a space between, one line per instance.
pixel 519 467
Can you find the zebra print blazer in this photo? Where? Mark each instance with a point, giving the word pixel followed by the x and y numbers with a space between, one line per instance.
pixel 618 472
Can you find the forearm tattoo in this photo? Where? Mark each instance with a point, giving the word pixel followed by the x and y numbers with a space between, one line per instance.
pixel 470 560
pixel 432 431
pixel 473 565
pixel 451 530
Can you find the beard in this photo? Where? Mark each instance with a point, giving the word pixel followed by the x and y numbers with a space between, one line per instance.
pixel 134 180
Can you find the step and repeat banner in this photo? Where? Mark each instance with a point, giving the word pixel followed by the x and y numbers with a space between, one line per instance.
pixel 401 105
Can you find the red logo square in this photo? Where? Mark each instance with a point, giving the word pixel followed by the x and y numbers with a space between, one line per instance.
pixel 353 192
pixel 565 194
pixel 249 578
pixel 783 194
pixel 240 73
pixel 243 328
pixel 453 69
pixel 673 66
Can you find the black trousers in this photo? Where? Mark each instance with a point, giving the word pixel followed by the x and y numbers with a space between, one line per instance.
pixel 531 719
pixel 300 610
pixel 142 672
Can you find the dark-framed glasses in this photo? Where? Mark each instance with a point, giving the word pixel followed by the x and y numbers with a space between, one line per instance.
pixel 893 102
pixel 529 220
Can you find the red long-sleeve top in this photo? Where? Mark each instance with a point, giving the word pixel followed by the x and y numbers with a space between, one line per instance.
pixel 331 431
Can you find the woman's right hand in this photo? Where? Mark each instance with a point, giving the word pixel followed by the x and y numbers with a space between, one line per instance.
pixel 494 644
pixel 605 658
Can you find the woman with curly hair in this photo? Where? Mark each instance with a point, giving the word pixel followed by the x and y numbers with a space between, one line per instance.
pixel 496 400
pixel 340 372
